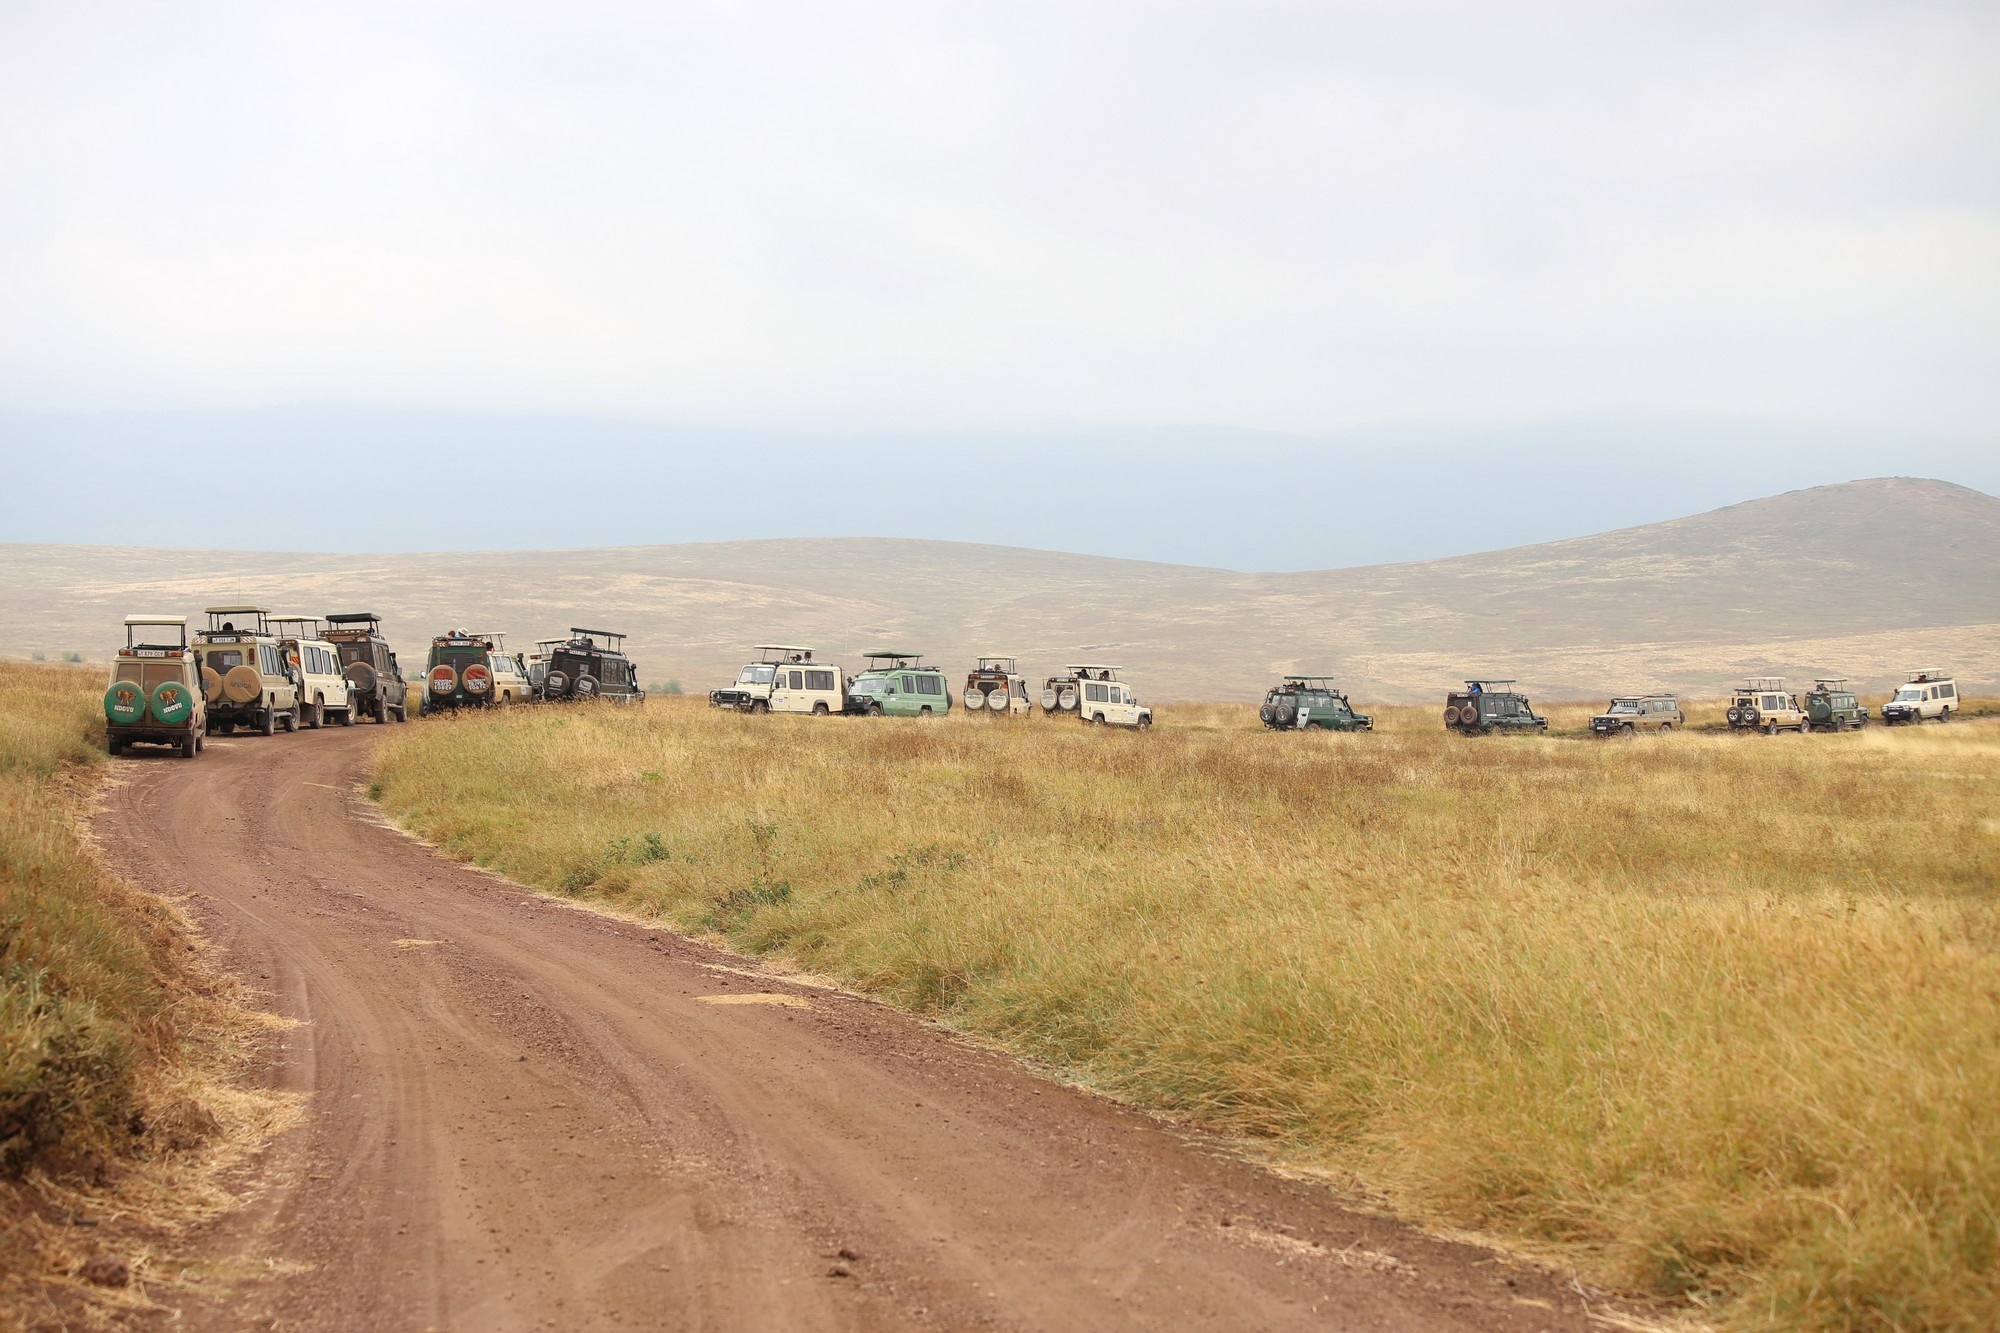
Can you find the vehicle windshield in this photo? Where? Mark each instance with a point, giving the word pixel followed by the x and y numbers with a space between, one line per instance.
pixel 1624 706
pixel 1910 694
pixel 867 685
pixel 757 673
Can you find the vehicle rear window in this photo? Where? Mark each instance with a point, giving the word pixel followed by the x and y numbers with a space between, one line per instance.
pixel 930 685
pixel 223 659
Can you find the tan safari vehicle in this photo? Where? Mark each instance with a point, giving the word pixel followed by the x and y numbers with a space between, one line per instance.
pixel 994 686
pixel 785 678
pixel 244 674
pixel 325 693
pixel 1930 694
pixel 155 695
pixel 1762 703
pixel 1630 713
pixel 1105 699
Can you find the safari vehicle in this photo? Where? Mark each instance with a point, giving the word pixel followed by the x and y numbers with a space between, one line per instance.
pixel 1305 702
pixel 898 684
pixel 994 686
pixel 538 662
pixel 244 674
pixel 784 679
pixel 1062 693
pixel 590 664
pixel 471 669
pixel 374 678
pixel 1631 713
pixel 1928 693
pixel 1831 706
pixel 323 689
pixel 155 696
pixel 1107 700
pixel 1486 706
pixel 1762 703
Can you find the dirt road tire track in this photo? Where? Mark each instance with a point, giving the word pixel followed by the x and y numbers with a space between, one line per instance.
pixel 524 1115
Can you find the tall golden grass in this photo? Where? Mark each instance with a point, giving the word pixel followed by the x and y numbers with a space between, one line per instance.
pixel 113 1035
pixel 1713 1018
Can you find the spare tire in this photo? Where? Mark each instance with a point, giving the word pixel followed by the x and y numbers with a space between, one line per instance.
pixel 554 685
pixel 1287 712
pixel 1264 713
pixel 975 699
pixel 586 687
pixel 211 684
pixel 1451 715
pixel 1735 715
pixel 363 676
pixel 124 702
pixel 1049 700
pixel 1068 698
pixel 243 684
pixel 172 703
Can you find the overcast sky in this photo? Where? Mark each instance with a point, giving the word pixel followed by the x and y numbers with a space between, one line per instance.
pixel 966 217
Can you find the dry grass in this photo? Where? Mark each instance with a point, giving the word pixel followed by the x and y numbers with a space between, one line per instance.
pixel 1711 1017
pixel 113 1034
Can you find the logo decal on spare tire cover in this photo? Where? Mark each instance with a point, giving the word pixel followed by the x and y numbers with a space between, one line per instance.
pixel 124 702
pixel 443 678
pixel 477 678
pixel 243 684
pixel 172 703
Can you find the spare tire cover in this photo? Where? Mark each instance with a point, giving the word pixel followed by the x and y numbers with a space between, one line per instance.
pixel 555 683
pixel 243 684
pixel 1049 700
pixel 211 684
pixel 1068 698
pixel 1285 710
pixel 585 687
pixel 173 702
pixel 362 675
pixel 124 702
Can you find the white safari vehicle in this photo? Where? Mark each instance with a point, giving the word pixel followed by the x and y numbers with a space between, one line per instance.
pixel 785 679
pixel 994 686
pixel 324 690
pixel 1105 700
pixel 1928 694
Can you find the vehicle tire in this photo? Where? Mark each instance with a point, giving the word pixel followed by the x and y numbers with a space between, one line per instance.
pixel 347 716
pixel 381 709
pixel 226 728
pixel 200 741
pixel 1145 721
pixel 975 700
pixel 1287 713
pixel 874 710
pixel 1771 729
pixel 315 713
pixel 114 748
pixel 924 712
pixel 819 710
pixel 761 706
pixel 1625 730
pixel 269 724
pixel 190 745
pixel 1944 717
pixel 1805 726
pixel 292 719
pixel 1067 699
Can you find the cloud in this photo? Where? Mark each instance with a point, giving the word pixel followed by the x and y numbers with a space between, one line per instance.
pixel 1293 217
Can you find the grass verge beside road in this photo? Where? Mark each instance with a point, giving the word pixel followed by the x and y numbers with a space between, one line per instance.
pixel 1715 1018
pixel 112 1033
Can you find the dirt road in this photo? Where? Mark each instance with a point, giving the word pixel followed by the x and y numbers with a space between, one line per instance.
pixel 524 1115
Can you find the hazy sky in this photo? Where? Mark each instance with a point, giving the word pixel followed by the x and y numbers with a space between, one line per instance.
pixel 964 216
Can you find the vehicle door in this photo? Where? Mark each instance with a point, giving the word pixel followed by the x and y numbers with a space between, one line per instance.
pixel 787 684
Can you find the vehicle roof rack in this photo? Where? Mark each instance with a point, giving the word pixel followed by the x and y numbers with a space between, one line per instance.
pixel 1485 683
pixel 780 648
pixel 599 633
pixel 1095 666
pixel 1829 682
pixel 353 618
pixel 1925 675
pixel 220 615
pixel 900 656
pixel 156 620
pixel 234 610
pixel 1755 683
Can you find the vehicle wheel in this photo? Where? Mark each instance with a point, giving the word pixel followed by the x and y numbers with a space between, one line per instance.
pixel 1944 717
pixel 924 712
pixel 190 746
pixel 226 728
pixel 761 706
pixel 314 715
pixel 874 710
pixel 200 741
pixel 270 722
pixel 1805 726
pixel 1145 722
pixel 381 710
pixel 819 710
pixel 115 747
pixel 347 716
pixel 292 719
pixel 1771 730
pixel 1666 728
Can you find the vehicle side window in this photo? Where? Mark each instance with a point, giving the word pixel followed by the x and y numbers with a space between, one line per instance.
pixel 798 679
pixel 819 680
pixel 1947 691
pixel 1094 693
pixel 909 685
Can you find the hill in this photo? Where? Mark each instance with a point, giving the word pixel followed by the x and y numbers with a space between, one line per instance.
pixel 1862 579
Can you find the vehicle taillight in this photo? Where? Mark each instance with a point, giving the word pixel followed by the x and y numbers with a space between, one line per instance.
pixel 443 679
pixel 477 679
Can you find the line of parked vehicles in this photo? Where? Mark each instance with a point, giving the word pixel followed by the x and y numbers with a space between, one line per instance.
pixel 251 669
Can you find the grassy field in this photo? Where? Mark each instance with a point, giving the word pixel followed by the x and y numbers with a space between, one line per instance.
pixel 112 1033
pixel 1713 1018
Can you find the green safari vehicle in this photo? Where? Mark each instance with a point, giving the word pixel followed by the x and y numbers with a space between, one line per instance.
pixel 1832 706
pixel 1305 702
pixel 898 684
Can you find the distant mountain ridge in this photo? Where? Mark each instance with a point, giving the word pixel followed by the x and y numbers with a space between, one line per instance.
pixel 1862 579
